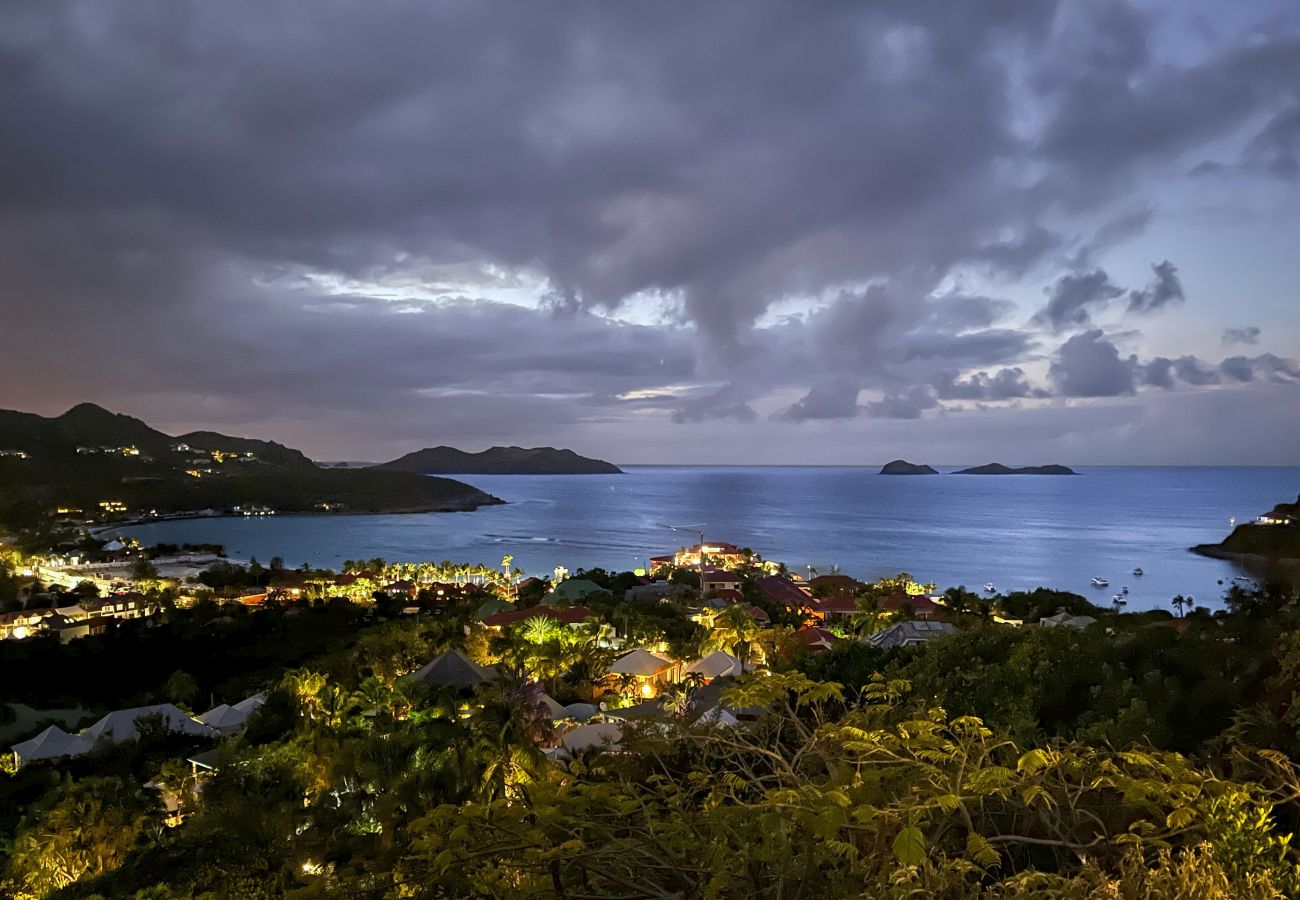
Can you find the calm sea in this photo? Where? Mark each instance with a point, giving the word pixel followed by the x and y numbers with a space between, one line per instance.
pixel 1013 531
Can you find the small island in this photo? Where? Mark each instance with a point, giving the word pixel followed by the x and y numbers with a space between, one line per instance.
pixel 999 469
pixel 499 461
pixel 903 467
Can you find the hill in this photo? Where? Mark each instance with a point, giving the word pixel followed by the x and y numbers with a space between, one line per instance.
pixel 1272 538
pixel 903 467
pixel 89 457
pixel 999 469
pixel 500 461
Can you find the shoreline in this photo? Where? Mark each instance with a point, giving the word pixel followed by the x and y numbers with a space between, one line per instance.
pixel 192 516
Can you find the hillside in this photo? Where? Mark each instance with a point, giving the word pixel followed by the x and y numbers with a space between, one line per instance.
pixel 500 461
pixel 999 469
pixel 1273 538
pixel 89 456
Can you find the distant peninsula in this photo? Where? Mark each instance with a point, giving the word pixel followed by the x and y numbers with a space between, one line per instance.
pixel 999 469
pixel 499 461
pixel 903 467
pixel 90 462
pixel 1273 537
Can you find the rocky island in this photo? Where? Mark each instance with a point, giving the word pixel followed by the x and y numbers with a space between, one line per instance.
pixel 999 469
pixel 499 461
pixel 903 467
pixel 92 462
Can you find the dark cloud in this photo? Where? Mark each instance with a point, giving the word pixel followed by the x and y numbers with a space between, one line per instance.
pixel 835 398
pixel 1071 298
pixel 1088 365
pixel 727 402
pixel 335 227
pixel 906 404
pixel 1248 334
pixel 1075 296
pixel 1165 289
pixel 1005 384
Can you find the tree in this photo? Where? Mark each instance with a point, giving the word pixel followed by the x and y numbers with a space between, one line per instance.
pixel 89 829
pixel 735 630
pixel 181 688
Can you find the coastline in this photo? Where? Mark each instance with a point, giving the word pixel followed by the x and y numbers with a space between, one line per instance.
pixel 313 513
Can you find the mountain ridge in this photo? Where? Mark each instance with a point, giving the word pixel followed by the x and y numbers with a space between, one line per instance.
pixel 89 456
pixel 499 460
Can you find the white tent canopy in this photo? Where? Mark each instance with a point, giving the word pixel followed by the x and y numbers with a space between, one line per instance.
pixel 716 665
pixel 639 662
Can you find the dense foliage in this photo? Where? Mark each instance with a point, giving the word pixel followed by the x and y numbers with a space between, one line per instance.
pixel 1132 758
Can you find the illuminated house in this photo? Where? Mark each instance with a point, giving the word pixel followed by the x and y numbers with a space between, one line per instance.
pixel 651 673
pixel 719 553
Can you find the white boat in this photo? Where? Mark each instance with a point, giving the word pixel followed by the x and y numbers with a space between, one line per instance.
pixel 1098 581
pixel 1138 571
pixel 1118 600
pixel 990 588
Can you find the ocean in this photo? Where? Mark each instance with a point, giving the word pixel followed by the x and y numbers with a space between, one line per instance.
pixel 1016 532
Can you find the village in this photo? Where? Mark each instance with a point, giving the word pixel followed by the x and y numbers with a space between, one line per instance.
pixel 600 650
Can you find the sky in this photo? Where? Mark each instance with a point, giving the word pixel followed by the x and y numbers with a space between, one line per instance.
pixel 742 232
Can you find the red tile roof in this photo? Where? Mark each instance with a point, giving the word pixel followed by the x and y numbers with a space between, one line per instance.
pixel 569 616
pixel 834 585
pixel 924 607
pixel 837 604
pixel 782 590
pixel 817 639
pixel 727 595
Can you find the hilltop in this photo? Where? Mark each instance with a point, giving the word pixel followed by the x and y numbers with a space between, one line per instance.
pixel 500 461
pixel 999 469
pixel 903 467
pixel 90 456
pixel 1274 537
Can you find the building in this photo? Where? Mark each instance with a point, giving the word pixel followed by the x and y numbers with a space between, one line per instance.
pixel 717 553
pixel 454 669
pixel 780 589
pixel 816 638
pixel 909 634
pixel 836 608
pixel 715 579
pixel 651 673
pixel 574 590
pixel 917 606
pixel 833 586
pixel 655 592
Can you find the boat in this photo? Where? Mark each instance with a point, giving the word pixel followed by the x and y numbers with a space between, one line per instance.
pixel 1124 591
pixel 1118 600
pixel 1098 581
pixel 989 588
pixel 1138 571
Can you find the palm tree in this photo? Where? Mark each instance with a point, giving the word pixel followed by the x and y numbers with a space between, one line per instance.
pixel 735 631
pixel 1178 603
